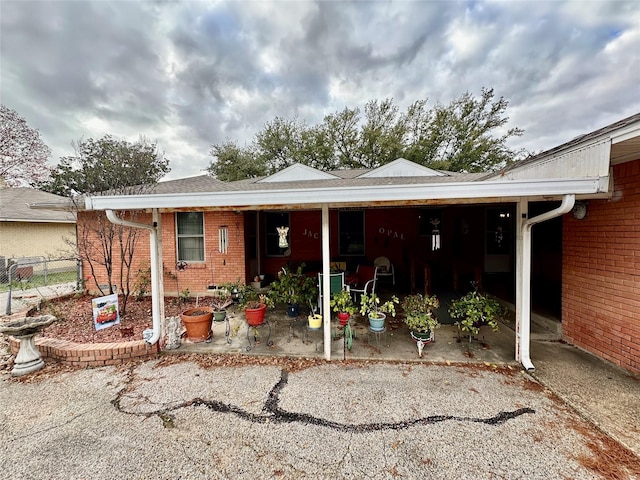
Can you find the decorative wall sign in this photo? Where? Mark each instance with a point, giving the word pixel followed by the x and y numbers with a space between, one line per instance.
pixel 310 234
pixel 390 233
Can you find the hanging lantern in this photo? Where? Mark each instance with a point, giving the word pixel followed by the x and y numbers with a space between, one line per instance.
pixel 435 235
pixel 283 242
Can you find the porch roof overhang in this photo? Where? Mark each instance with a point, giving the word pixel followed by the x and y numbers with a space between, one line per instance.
pixel 311 197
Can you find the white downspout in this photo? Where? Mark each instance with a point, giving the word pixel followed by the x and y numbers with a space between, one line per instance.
pixel 523 304
pixel 156 310
pixel 326 282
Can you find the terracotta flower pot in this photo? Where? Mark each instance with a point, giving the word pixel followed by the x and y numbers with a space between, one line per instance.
pixel 197 322
pixel 255 316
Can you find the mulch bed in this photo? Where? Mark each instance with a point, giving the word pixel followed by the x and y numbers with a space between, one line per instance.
pixel 75 318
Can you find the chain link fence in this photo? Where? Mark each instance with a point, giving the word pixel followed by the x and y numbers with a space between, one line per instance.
pixel 25 281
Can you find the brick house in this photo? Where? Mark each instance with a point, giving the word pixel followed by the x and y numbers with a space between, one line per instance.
pixel 581 261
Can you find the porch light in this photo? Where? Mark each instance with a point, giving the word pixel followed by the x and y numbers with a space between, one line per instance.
pixel 223 239
pixel 435 235
pixel 283 242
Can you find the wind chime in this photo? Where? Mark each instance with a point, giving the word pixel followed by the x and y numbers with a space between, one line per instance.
pixel 435 235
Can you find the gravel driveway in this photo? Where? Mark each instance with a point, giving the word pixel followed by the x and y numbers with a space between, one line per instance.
pixel 178 419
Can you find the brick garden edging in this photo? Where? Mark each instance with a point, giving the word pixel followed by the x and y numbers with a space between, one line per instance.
pixel 91 354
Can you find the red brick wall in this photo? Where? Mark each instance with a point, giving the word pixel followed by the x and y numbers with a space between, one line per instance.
pixel 217 268
pixel 601 273
pixel 91 354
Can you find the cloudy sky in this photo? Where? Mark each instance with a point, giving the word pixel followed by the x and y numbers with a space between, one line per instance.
pixel 192 74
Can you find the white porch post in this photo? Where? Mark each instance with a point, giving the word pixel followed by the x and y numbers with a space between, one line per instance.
pixel 159 281
pixel 326 281
pixel 522 212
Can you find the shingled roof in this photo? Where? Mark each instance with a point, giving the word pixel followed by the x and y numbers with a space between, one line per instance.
pixel 14 206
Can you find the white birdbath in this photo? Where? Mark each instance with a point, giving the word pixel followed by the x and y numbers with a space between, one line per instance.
pixel 28 358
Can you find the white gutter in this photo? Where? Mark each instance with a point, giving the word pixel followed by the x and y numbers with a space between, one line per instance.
pixel 155 290
pixel 341 194
pixel 523 316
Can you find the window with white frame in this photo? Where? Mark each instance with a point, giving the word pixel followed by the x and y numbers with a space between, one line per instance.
pixel 190 236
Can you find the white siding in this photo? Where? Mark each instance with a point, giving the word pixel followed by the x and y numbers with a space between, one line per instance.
pixel 586 162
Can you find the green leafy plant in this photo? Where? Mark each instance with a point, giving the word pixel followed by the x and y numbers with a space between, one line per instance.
pixel 419 316
pixel 248 298
pixel 293 288
pixel 236 289
pixel 474 310
pixel 343 303
pixel 184 295
pixel 372 306
pixel 220 299
pixel 142 284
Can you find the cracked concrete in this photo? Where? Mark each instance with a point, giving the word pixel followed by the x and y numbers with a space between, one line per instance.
pixel 354 420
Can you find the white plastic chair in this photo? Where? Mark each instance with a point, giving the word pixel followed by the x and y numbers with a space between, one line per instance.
pixel 385 268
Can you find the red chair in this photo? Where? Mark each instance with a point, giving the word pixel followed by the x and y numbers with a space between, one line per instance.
pixel 366 279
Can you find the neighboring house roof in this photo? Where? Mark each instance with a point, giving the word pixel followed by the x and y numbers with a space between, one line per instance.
pixel 14 206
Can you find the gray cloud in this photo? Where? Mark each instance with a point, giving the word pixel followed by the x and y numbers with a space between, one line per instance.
pixel 191 74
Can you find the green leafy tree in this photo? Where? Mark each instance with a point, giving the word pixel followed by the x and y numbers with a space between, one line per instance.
pixel 316 149
pixel 278 144
pixel 342 130
pixel 382 135
pixel 235 163
pixel 467 135
pixel 108 165
pixel 460 136
pixel 116 167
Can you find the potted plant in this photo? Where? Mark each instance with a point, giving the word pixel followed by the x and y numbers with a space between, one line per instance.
pixel 293 288
pixel 197 322
pixel 420 319
pixel 419 316
pixel 376 310
pixel 474 310
pixel 342 303
pixel 236 289
pixel 254 305
pixel 315 320
pixel 220 300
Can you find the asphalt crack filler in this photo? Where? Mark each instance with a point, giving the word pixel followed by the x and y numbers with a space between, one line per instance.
pixel 273 413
